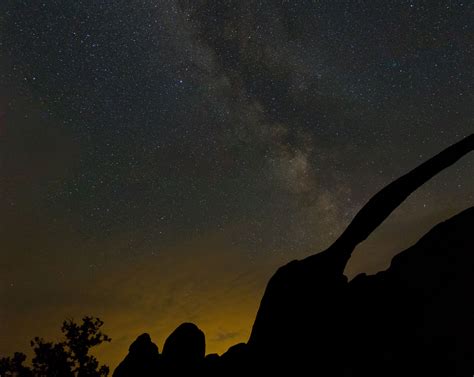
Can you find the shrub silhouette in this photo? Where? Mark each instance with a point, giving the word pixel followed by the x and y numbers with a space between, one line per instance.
pixel 69 358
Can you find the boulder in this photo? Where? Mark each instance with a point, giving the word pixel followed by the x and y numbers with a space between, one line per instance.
pixel 185 348
pixel 143 359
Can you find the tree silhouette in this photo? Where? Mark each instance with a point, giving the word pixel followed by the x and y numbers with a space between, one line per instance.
pixel 69 358
pixel 13 366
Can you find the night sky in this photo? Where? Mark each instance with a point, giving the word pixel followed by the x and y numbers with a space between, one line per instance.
pixel 159 159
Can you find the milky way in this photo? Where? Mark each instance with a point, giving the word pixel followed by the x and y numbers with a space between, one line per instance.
pixel 158 159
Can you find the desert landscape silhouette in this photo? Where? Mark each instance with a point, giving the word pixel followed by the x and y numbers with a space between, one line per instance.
pixel 413 319
pixel 236 188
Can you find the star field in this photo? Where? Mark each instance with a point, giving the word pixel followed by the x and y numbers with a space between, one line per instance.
pixel 158 159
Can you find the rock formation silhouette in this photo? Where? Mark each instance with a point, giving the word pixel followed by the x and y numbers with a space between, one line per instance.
pixel 143 359
pixel 414 319
pixel 417 317
pixel 306 302
pixel 184 350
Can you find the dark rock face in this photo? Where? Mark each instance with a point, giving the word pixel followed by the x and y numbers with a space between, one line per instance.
pixel 417 317
pixel 308 305
pixel 185 348
pixel 414 319
pixel 143 359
